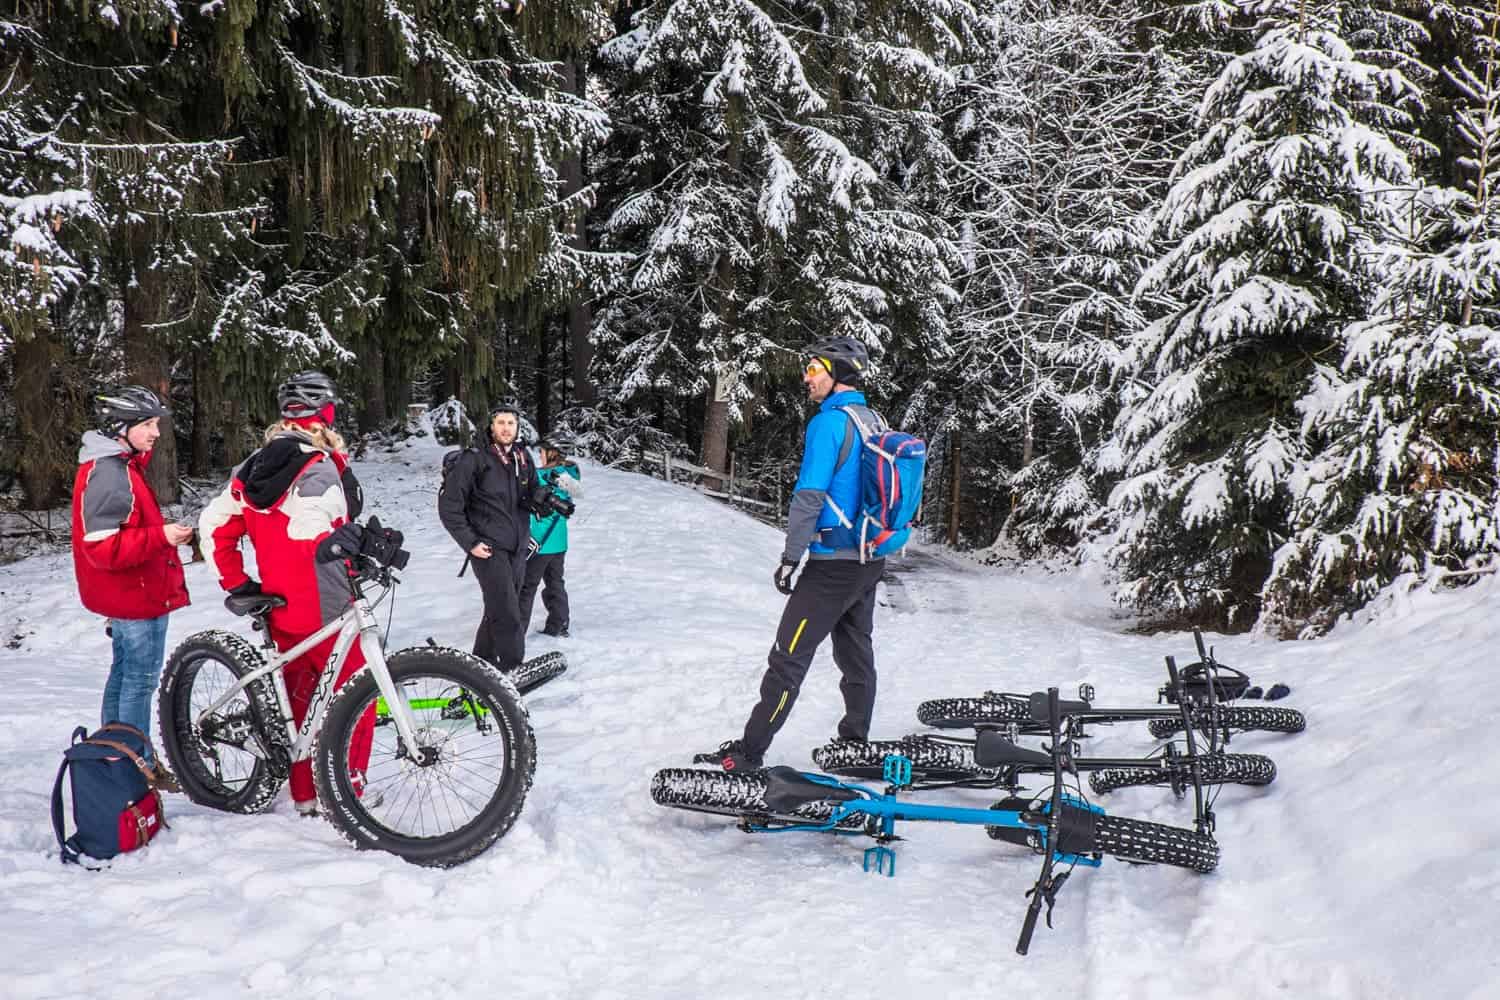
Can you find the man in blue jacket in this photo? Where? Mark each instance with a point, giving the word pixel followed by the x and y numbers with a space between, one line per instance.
pixel 835 593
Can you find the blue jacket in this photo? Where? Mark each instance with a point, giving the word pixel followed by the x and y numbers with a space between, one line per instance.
pixel 811 524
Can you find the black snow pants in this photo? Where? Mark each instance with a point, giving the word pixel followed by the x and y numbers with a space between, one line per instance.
pixel 546 571
pixel 501 636
pixel 832 597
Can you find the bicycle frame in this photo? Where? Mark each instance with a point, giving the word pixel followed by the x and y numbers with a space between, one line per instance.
pixel 884 809
pixel 357 623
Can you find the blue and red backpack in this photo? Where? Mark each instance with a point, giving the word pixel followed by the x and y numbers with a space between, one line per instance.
pixel 892 465
pixel 116 804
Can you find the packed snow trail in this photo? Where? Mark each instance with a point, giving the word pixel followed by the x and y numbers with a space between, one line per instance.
pixel 1362 872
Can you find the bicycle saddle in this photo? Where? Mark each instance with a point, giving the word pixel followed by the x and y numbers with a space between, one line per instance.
pixel 253 604
pixel 786 789
pixel 992 749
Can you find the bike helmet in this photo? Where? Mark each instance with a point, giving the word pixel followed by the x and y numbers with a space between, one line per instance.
pixel 559 441
pixel 306 394
pixel 506 405
pixel 118 409
pixel 845 358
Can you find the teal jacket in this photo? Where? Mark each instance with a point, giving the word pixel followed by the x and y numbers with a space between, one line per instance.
pixel 556 524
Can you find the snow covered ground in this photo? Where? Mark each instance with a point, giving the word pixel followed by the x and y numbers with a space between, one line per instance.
pixel 1362 872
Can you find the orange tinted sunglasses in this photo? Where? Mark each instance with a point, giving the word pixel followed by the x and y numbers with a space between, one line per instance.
pixel 817 366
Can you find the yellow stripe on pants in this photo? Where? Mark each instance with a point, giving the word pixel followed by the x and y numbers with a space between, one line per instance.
pixel 793 647
pixel 779 706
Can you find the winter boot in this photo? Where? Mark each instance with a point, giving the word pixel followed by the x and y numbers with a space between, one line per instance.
pixel 731 756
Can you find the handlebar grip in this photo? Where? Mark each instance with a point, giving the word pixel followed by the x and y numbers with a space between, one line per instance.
pixel 1023 944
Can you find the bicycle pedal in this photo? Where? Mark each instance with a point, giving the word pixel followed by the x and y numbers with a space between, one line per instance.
pixel 881 860
pixel 896 769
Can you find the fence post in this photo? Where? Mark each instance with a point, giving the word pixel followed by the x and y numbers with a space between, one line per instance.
pixel 666 465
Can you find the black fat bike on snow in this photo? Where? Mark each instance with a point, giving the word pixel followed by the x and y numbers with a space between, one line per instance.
pixel 1061 826
pixel 441 785
pixel 1205 688
pixel 944 761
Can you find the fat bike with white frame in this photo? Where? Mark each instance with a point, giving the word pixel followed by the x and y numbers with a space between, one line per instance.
pixel 453 752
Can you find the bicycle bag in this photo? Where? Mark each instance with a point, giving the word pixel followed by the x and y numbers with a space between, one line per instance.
pixel 116 805
pixel 892 467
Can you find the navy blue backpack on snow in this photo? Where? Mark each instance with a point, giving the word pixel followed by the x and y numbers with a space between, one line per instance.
pixel 116 804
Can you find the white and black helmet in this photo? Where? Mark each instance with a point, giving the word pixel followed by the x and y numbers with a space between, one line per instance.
pixel 305 393
pixel 118 409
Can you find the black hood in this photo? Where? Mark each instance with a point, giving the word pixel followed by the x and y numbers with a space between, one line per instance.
pixel 270 472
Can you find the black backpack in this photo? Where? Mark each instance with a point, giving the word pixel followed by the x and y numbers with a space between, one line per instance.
pixel 116 804
pixel 450 459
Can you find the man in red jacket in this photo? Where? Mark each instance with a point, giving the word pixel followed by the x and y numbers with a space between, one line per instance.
pixel 124 554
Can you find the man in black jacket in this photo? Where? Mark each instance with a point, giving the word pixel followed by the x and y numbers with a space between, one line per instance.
pixel 486 506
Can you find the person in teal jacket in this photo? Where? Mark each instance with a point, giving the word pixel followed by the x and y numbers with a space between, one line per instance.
pixel 550 534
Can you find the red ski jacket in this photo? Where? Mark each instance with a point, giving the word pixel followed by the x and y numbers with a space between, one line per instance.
pixel 125 566
pixel 285 498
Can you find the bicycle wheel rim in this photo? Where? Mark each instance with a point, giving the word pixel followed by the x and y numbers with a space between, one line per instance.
pixel 474 760
pixel 223 768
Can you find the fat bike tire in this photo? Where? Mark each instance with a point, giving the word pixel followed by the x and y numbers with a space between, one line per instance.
pixel 966 713
pixel 1243 718
pixel 458 791
pixel 242 769
pixel 1217 769
pixel 740 795
pixel 538 670
pixel 929 761
pixel 1144 842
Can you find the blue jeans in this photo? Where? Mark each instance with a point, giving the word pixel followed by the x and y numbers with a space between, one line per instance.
pixel 140 646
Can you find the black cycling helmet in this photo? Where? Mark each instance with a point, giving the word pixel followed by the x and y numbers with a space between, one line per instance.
pixel 118 409
pixel 305 393
pixel 559 441
pixel 845 358
pixel 506 405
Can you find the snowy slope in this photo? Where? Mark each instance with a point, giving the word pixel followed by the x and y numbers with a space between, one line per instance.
pixel 1360 873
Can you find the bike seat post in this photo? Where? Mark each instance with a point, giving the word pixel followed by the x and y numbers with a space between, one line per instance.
pixel 262 625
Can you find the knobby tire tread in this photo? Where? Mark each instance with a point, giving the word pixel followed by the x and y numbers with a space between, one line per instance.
pixel 1155 843
pixel 1246 718
pixel 344 809
pixel 1217 769
pixel 929 760
pixel 729 794
pixel 178 743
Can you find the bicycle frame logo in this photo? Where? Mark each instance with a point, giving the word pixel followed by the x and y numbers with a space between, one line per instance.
pixel 356 623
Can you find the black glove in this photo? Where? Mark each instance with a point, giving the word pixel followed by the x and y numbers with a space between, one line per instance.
pixel 383 544
pixel 783 575
pixel 344 543
pixel 250 588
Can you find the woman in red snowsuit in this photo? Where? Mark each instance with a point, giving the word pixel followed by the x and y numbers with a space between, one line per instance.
pixel 286 498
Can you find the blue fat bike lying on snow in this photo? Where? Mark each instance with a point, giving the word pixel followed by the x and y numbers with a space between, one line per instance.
pixel 1064 828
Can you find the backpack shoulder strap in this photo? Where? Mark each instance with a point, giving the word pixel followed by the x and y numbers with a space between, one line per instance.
pixel 67 851
pixel 147 771
pixel 848 442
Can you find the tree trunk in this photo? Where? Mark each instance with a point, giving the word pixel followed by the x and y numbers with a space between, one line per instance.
pixel 715 449
pixel 543 385
pixel 44 460
pixel 715 440
pixel 373 409
pixel 580 310
pixel 205 403
pixel 955 468
pixel 147 364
